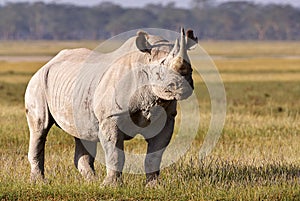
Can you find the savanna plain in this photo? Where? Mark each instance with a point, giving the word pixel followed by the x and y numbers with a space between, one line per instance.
pixel 256 158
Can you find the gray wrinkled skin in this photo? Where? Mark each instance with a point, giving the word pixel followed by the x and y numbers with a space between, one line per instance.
pixel 109 98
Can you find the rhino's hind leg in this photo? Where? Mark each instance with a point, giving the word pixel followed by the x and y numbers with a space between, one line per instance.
pixel 85 153
pixel 39 122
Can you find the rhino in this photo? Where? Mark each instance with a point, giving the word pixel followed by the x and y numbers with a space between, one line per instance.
pixel 110 98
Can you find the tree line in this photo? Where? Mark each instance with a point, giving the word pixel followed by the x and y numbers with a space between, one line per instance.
pixel 226 21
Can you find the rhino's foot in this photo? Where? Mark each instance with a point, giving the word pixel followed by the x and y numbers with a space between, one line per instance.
pixel 88 175
pixel 152 180
pixel 37 177
pixel 152 184
pixel 112 181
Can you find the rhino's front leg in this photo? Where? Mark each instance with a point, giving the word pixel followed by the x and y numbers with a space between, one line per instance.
pixel 113 145
pixel 156 148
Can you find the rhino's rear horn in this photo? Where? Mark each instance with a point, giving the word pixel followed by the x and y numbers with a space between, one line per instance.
pixel 142 43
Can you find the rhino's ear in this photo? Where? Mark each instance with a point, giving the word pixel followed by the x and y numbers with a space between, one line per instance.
pixel 191 40
pixel 142 43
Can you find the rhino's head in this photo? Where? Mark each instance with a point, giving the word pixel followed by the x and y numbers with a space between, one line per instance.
pixel 170 71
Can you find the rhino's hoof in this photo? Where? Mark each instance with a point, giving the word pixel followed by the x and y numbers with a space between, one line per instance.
pixel 89 176
pixel 112 182
pixel 152 184
pixel 36 178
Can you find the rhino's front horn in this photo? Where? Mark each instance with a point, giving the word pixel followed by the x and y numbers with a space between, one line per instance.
pixel 181 62
pixel 182 51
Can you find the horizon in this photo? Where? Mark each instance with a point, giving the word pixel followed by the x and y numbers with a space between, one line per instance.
pixel 142 3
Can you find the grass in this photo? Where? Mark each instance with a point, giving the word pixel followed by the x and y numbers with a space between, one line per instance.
pixel 256 158
pixel 41 48
pixel 250 49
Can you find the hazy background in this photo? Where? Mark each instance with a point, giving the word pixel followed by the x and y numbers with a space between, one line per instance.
pixel 96 19
pixel 141 3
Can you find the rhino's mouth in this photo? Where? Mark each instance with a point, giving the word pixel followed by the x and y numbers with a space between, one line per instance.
pixel 182 93
pixel 175 90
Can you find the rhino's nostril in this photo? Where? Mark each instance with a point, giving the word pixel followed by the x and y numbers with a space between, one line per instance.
pixel 171 86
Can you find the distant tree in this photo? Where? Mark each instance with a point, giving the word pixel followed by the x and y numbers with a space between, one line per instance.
pixel 14 23
pixel 154 8
pixel 130 19
pixel 227 21
pixel 172 18
pixel 201 4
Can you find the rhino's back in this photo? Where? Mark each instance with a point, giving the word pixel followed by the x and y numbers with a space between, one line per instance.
pixel 63 82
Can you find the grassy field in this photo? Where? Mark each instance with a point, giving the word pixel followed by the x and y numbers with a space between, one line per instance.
pixel 256 158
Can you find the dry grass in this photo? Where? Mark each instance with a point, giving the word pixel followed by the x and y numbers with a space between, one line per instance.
pixel 246 49
pixel 256 158
pixel 40 48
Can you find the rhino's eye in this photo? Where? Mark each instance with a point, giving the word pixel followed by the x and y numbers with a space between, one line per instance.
pixel 158 76
pixel 183 71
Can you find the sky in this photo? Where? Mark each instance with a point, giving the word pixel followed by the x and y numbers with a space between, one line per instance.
pixel 141 3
